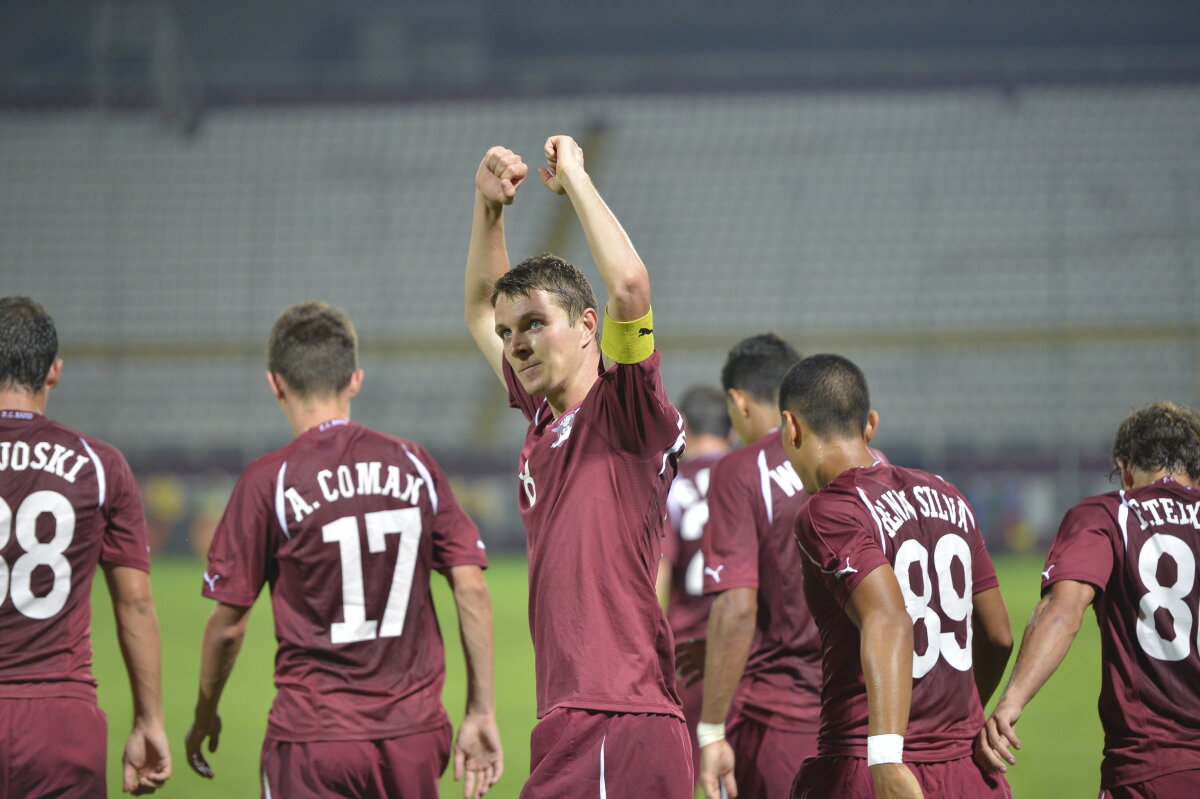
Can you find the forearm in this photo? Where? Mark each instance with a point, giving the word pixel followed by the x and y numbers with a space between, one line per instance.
pixel 223 636
pixel 731 622
pixel 988 662
pixel 1047 639
pixel 137 635
pixel 474 605
pixel 886 651
pixel 487 256
pixel 620 266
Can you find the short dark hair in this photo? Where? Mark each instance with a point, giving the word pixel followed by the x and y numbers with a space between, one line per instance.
pixel 314 348
pixel 1162 435
pixel 561 279
pixel 757 365
pixel 28 344
pixel 829 393
pixel 704 411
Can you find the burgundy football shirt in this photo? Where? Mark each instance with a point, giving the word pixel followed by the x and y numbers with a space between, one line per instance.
pixel 346 525
pixel 1139 550
pixel 926 530
pixel 67 503
pixel 592 490
pixel 753 500
pixel 687 514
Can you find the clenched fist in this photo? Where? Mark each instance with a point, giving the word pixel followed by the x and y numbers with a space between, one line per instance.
pixel 500 175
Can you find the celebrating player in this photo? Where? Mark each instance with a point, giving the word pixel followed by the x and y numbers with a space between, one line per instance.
pixel 598 459
pixel 346 525
pixel 753 569
pixel 67 503
pixel 914 632
pixel 1132 555
pixel 681 570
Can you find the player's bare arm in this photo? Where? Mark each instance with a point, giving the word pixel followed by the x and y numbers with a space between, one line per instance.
pixel 876 606
pixel 620 266
pixel 223 637
pixel 1048 637
pixel 499 176
pixel 730 636
pixel 147 757
pixel 478 756
pixel 992 641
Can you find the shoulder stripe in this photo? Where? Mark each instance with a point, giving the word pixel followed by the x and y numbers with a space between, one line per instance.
pixel 433 497
pixel 279 512
pixel 878 525
pixel 675 448
pixel 764 474
pixel 1123 519
pixel 99 470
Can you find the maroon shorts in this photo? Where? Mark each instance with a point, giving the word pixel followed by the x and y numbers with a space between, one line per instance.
pixel 691 699
pixel 850 778
pixel 1180 785
pixel 590 754
pixel 408 767
pixel 52 747
pixel 766 759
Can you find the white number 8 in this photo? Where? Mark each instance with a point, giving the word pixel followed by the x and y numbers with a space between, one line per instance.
pixel 1168 597
pixel 50 554
pixel 955 606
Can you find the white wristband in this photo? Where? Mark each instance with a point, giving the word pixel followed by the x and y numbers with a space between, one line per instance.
pixel 885 749
pixel 709 733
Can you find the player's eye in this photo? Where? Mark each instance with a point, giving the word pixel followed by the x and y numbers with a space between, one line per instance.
pixel 535 324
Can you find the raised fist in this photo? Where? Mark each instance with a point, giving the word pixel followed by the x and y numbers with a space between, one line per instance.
pixel 564 158
pixel 500 175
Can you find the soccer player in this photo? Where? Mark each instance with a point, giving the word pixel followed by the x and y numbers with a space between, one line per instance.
pixel 1131 554
pixel 598 459
pixel 68 502
pixel 762 657
pixel 346 524
pixel 914 632
pixel 681 570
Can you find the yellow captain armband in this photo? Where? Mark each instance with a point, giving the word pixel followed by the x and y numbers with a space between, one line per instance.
pixel 628 342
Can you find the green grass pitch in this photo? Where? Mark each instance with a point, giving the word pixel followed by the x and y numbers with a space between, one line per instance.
pixel 1060 730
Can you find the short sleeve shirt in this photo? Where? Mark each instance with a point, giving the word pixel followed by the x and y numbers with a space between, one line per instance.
pixel 754 497
pixel 592 487
pixel 346 525
pixel 687 516
pixel 1139 549
pixel 925 529
pixel 68 502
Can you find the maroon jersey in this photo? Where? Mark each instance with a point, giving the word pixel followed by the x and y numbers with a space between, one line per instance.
pixel 67 503
pixel 1139 550
pixel 592 490
pixel 346 525
pixel 687 514
pixel 925 529
pixel 753 501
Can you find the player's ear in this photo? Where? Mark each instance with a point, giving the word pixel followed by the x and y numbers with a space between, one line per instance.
pixel 355 385
pixel 872 426
pixel 1126 474
pixel 53 374
pixel 792 432
pixel 276 384
pixel 589 320
pixel 738 404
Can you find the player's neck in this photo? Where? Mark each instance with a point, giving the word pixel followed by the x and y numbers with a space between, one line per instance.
pixel 839 456
pixel 573 392
pixel 17 400
pixel 763 418
pixel 705 445
pixel 305 416
pixel 1142 479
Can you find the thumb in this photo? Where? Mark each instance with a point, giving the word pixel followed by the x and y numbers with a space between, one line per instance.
pixel 460 762
pixel 130 780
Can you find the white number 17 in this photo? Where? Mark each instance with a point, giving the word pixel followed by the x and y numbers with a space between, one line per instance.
pixel 355 625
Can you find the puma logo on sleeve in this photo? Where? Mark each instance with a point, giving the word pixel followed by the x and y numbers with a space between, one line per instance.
pixel 714 573
pixel 1046 574
pixel 645 331
pixel 212 581
pixel 848 570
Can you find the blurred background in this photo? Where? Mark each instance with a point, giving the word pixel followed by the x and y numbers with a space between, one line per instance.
pixel 993 207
